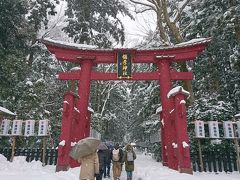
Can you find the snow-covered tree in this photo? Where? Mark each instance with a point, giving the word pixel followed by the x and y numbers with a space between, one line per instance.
pixel 96 22
pixel 169 15
pixel 217 71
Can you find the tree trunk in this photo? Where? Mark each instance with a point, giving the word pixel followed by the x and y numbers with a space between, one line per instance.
pixel 187 84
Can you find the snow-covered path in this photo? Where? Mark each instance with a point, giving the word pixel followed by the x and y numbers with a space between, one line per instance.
pixel 148 169
pixel 145 169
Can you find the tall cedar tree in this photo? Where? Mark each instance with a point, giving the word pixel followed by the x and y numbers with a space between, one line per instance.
pixel 95 22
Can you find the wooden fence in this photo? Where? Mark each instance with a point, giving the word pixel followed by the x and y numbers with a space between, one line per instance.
pixel 32 154
pixel 215 161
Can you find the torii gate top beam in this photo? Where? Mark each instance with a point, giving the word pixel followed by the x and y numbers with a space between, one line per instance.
pixel 74 52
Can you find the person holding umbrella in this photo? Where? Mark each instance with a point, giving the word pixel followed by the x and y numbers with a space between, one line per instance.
pixel 85 152
pixel 89 166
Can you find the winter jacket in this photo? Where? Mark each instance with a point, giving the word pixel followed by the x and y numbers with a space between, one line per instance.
pixel 108 156
pixel 101 158
pixel 120 155
pixel 129 165
pixel 89 166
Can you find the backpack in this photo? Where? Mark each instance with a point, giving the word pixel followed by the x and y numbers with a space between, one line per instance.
pixel 115 155
pixel 130 156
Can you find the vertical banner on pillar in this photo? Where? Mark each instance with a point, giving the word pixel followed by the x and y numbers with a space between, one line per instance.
pixel 124 65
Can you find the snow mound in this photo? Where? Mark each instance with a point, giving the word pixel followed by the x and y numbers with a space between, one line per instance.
pixel 3 163
pixel 3 159
pixel 19 159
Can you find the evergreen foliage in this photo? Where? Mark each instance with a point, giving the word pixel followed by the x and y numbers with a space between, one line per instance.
pixel 217 71
pixel 27 71
pixel 96 22
pixel 12 25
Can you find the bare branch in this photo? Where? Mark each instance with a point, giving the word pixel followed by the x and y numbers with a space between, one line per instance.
pixel 171 25
pixel 178 16
pixel 143 4
pixel 144 10
pixel 157 3
pixel 187 27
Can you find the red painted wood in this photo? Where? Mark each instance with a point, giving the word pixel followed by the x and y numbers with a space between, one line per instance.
pixel 66 129
pixel 83 92
pixel 75 133
pixel 167 106
pixel 163 141
pixel 174 75
pixel 75 75
pixel 184 161
pixel 181 53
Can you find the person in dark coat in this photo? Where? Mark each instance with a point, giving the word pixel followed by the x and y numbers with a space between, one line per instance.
pixel 117 160
pixel 101 158
pixel 107 163
pixel 128 158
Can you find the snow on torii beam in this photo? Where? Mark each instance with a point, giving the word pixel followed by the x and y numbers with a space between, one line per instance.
pixel 74 53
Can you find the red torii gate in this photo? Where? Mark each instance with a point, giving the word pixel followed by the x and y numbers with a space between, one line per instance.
pixel 76 120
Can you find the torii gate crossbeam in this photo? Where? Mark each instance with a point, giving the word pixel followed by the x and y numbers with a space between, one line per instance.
pixel 135 76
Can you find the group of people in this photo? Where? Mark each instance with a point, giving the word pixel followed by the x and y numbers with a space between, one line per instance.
pixel 98 164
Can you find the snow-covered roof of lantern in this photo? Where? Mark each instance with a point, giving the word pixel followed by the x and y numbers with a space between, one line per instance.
pixel 68 45
pixel 6 111
pixel 176 90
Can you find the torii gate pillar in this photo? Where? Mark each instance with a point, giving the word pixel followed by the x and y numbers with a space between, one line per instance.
pixel 75 120
pixel 167 105
pixel 66 130
pixel 183 147
pixel 83 92
pixel 163 141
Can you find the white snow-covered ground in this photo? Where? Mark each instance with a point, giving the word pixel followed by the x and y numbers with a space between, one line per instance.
pixel 146 169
